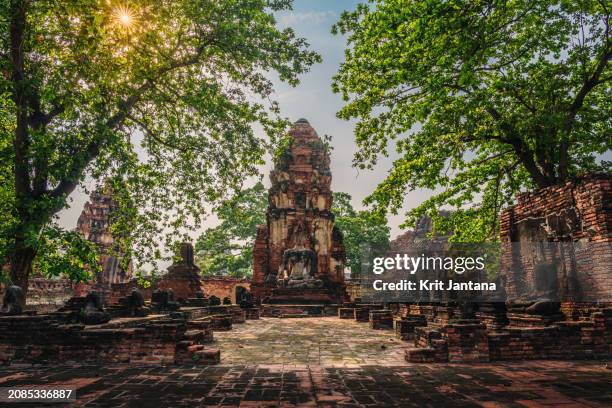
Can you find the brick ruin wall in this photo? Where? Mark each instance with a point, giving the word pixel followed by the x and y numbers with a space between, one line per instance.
pixel 177 338
pixel 32 339
pixel 47 295
pixel 220 287
pixel 223 287
pixel 578 212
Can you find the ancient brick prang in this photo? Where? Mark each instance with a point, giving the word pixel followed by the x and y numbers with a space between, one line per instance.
pixel 94 224
pixel 298 254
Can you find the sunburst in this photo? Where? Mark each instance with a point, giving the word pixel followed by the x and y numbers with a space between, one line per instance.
pixel 124 17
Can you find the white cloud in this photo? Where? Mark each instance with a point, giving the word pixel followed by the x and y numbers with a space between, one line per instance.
pixel 291 18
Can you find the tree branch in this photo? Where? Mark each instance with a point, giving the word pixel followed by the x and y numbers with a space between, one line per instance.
pixel 576 105
pixel 495 156
pixel 21 140
pixel 523 152
pixel 69 183
pixel 154 136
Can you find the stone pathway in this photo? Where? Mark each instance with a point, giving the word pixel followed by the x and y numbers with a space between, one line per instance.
pixel 328 363
pixel 325 341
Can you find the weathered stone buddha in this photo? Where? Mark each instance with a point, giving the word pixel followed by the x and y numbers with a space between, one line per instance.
pixel 13 301
pixel 298 254
pixel 299 266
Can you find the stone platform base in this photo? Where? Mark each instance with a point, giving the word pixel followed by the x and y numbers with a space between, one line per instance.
pixel 307 296
pixel 320 310
pixel 487 338
pixel 178 337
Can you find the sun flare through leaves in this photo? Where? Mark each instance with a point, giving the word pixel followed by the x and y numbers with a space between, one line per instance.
pixel 124 17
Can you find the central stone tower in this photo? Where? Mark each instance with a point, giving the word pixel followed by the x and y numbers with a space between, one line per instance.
pixel 298 255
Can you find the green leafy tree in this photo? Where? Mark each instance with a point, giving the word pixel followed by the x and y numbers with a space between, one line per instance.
pixel 160 95
pixel 228 248
pixel 481 99
pixel 364 232
pixel 66 253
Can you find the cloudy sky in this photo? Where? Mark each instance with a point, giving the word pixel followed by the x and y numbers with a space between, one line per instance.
pixel 314 100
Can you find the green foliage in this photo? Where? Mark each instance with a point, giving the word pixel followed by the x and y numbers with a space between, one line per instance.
pixel 145 279
pixel 67 254
pixel 228 248
pixel 162 102
pixel 7 190
pixel 481 99
pixel 363 231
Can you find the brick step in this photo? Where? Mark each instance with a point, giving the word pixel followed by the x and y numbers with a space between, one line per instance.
pixel 294 315
pixel 184 344
pixel 438 344
pixel 405 326
pixel 527 320
pixel 199 354
pixel 193 335
pixel 425 335
pixel 362 315
pixel 207 356
pixel 221 322
pixel 195 347
pixel 346 312
pixel 252 313
pixel 198 324
pixel 381 319
pixel 424 355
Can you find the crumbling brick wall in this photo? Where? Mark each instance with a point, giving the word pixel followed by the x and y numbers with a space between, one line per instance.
pixel 46 295
pixel 224 286
pixel 580 212
pixel 38 339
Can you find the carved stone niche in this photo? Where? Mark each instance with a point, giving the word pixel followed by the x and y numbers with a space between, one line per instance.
pixel 562 225
pixel 538 262
pixel 537 256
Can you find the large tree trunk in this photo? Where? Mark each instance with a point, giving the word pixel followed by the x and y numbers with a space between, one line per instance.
pixel 25 245
pixel 21 265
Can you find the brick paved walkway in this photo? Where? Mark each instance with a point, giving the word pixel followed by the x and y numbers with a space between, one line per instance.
pixel 325 341
pixel 336 371
pixel 534 384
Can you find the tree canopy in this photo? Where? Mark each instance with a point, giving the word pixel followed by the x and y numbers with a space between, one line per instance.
pixel 158 96
pixel 364 232
pixel 227 249
pixel 480 99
